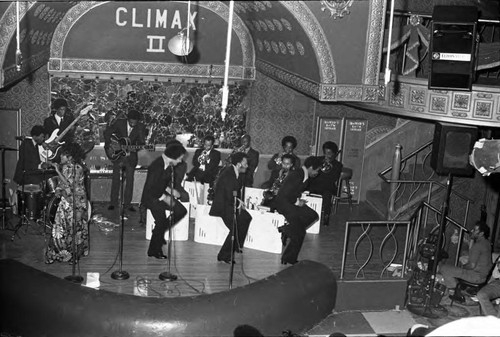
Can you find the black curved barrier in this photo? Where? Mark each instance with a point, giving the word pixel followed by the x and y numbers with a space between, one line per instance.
pixel 35 303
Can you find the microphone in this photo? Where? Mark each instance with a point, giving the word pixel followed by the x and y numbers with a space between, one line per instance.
pixel 22 137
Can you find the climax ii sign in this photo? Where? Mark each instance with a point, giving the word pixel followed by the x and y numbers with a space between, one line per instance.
pixel 154 18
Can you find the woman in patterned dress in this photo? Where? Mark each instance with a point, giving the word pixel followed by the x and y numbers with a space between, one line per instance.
pixel 71 187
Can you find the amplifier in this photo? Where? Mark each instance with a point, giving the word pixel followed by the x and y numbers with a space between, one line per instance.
pixel 100 187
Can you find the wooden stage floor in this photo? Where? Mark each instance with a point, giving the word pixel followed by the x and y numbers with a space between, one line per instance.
pixel 194 263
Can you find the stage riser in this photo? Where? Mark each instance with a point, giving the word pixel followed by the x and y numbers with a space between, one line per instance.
pixel 370 294
pixel 35 303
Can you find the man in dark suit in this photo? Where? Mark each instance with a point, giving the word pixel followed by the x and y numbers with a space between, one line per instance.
pixel 60 119
pixel 253 159
pixel 298 215
pixel 136 133
pixel 205 162
pixel 30 159
pixel 158 196
pixel 325 183
pixel 227 188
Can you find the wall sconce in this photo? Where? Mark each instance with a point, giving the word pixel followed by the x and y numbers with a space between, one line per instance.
pixel 181 44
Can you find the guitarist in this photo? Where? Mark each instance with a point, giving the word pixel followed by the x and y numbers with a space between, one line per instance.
pixel 60 119
pixel 136 133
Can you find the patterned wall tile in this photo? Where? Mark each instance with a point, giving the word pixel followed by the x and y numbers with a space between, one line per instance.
pixel 483 109
pixel 461 101
pixel 437 104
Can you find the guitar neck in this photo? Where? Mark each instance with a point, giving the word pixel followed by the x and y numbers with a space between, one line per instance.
pixel 80 114
pixel 62 134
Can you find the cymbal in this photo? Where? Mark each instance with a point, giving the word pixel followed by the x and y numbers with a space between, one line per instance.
pixel 6 148
pixel 40 172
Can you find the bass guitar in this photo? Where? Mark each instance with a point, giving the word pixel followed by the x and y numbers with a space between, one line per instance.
pixel 50 148
pixel 120 147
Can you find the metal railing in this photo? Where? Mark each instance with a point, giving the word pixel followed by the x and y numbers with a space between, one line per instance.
pixel 407 193
pixel 367 237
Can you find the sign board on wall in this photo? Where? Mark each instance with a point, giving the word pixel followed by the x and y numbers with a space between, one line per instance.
pixel 353 151
pixel 328 129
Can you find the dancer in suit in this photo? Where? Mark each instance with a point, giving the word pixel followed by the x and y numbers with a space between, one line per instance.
pixel 288 143
pixel 205 162
pixel 179 173
pixel 136 133
pixel 299 216
pixel 30 158
pixel 227 187
pixel 60 119
pixel 158 196
pixel 325 183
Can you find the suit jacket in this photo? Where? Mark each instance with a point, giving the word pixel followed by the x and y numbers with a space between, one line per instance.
pixel 50 124
pixel 326 181
pixel 137 136
pixel 253 162
pixel 290 190
pixel 29 159
pixel 211 168
pixel 156 183
pixel 223 203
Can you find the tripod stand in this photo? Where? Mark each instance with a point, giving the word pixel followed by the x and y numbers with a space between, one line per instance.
pixel 5 202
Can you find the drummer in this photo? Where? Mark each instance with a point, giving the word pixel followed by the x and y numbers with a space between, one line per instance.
pixel 29 168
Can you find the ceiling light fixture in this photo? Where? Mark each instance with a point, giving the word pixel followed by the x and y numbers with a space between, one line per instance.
pixel 225 88
pixel 181 44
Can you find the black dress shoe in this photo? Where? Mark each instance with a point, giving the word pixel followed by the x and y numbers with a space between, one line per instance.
pixel 159 256
pixel 228 261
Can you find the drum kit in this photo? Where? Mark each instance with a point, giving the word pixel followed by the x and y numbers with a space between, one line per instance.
pixel 38 202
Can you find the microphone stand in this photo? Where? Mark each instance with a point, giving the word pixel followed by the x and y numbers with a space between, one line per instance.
pixel 73 277
pixel 231 269
pixel 121 274
pixel 4 199
pixel 23 219
pixel 167 275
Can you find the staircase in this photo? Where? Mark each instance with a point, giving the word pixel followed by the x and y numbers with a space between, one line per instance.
pixel 413 180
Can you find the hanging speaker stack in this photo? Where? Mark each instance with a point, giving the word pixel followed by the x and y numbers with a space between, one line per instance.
pixel 453 47
pixel 451 148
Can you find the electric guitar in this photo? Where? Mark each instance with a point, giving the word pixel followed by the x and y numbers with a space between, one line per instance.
pixel 119 147
pixel 51 146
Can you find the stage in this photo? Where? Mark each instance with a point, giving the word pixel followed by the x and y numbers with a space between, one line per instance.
pixel 195 264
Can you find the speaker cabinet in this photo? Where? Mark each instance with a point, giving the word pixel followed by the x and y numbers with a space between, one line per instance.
pixel 453 47
pixel 451 148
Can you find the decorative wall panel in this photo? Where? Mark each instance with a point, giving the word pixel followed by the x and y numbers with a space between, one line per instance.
pixel 168 109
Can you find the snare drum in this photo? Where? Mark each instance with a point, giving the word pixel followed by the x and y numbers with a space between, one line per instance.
pixel 51 185
pixel 30 202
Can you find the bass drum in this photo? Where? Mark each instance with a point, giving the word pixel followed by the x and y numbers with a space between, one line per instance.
pixel 54 203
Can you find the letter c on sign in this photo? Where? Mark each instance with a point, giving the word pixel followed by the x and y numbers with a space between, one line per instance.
pixel 118 22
